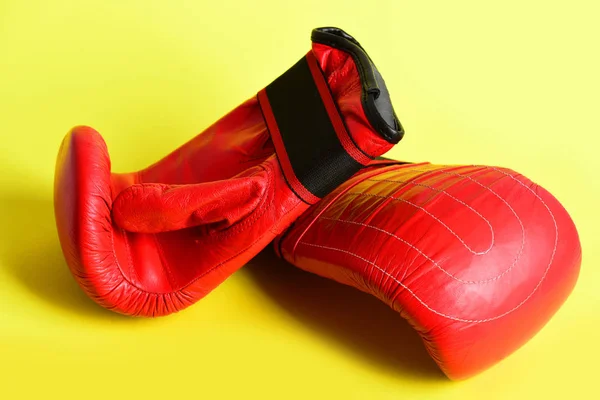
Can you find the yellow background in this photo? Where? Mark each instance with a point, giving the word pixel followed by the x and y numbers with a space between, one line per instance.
pixel 511 83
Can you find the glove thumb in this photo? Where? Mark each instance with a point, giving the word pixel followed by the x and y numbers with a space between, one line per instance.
pixel 156 207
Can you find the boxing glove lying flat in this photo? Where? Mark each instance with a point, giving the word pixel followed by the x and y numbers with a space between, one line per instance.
pixel 476 258
pixel 153 242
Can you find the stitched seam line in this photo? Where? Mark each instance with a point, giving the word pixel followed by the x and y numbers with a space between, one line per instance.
pixel 519 253
pixel 478 253
pixel 451 317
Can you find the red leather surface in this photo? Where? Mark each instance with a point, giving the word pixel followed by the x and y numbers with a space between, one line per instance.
pixel 476 258
pixel 153 242
pixel 343 78
pixel 332 107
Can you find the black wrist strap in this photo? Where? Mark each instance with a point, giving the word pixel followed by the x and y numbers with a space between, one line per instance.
pixel 313 146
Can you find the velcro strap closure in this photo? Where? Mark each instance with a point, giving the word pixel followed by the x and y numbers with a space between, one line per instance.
pixel 313 146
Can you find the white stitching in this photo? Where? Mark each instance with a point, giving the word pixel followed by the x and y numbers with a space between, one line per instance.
pixel 476 321
pixel 395 280
pixel 520 252
pixel 478 253
pixel 515 260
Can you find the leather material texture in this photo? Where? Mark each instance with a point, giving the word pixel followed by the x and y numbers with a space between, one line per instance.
pixel 153 242
pixel 376 100
pixel 477 258
pixel 343 79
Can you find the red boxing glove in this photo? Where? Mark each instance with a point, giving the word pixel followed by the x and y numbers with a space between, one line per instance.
pixel 476 258
pixel 154 242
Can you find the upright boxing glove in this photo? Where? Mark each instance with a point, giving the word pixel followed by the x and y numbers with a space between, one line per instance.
pixel 476 258
pixel 153 242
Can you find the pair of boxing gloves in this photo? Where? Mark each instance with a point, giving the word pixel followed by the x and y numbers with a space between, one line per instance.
pixel 476 258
